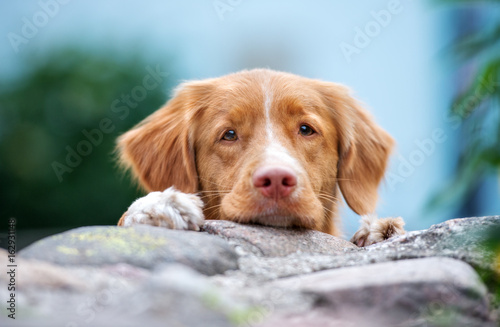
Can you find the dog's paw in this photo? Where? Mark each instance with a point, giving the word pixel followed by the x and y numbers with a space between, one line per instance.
pixel 171 209
pixel 374 230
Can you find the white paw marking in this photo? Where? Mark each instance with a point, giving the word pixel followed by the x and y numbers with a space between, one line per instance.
pixel 171 209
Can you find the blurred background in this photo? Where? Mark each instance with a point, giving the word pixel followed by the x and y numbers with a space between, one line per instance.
pixel 76 74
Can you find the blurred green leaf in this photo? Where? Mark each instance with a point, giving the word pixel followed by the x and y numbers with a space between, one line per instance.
pixel 468 2
pixel 458 188
pixel 485 85
pixel 47 111
pixel 477 106
pixel 477 43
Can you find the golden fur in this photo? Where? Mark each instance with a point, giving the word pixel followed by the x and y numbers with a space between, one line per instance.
pixel 181 145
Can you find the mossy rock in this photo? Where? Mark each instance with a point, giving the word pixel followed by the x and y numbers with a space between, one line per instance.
pixel 142 246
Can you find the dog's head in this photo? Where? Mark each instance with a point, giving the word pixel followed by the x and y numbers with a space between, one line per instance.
pixel 262 146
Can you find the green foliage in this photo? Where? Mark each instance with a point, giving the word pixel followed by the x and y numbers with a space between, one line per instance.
pixel 477 106
pixel 46 112
pixel 491 244
pixel 467 2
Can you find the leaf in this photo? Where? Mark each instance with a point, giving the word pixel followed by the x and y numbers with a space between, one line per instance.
pixel 481 128
pixel 466 2
pixel 485 85
pixel 472 45
pixel 491 156
pixel 466 177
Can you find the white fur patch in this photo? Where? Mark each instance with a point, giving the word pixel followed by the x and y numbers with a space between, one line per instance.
pixel 275 152
pixel 171 209
pixel 267 106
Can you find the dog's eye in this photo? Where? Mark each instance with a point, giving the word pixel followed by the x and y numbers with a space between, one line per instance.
pixel 306 130
pixel 230 135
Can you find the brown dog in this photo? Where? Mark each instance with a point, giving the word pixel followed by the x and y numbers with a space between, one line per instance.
pixel 263 147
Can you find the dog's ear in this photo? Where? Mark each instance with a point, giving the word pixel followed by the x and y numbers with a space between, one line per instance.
pixel 159 150
pixel 363 148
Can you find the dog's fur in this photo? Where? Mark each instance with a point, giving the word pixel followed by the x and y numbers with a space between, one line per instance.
pixel 182 149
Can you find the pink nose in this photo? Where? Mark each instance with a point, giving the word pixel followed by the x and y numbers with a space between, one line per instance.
pixel 274 182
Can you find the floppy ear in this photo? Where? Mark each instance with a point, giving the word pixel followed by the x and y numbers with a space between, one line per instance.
pixel 363 147
pixel 159 150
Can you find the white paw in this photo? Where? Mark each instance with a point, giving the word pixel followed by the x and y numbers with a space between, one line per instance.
pixel 374 230
pixel 171 209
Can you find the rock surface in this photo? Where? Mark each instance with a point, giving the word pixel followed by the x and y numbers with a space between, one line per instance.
pixel 253 276
pixel 142 246
pixel 276 242
pixel 422 288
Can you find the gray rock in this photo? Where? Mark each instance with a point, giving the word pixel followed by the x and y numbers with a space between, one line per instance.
pixel 120 295
pixel 276 242
pixel 408 292
pixel 142 246
pixel 97 276
pixel 457 238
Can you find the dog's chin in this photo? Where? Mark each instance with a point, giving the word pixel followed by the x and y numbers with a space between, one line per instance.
pixel 285 213
pixel 276 220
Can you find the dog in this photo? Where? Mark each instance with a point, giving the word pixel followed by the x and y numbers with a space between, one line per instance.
pixel 259 146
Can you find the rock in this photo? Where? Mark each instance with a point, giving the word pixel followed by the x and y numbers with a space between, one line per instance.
pixel 120 296
pixel 142 246
pixel 40 275
pixel 457 238
pixel 251 275
pixel 275 242
pixel 408 292
pixel 174 295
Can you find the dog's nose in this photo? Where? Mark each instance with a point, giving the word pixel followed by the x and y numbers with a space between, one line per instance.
pixel 274 182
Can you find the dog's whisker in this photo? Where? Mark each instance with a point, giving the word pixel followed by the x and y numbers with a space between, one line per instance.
pixel 332 200
pixel 327 194
pixel 209 195
pixel 213 206
pixel 328 197
pixel 212 182
pixel 340 179
pixel 329 210
pixel 329 200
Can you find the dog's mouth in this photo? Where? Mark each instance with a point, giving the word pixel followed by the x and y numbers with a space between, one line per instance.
pixel 277 218
pixel 284 212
